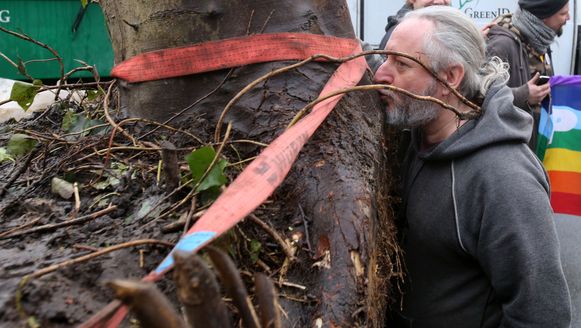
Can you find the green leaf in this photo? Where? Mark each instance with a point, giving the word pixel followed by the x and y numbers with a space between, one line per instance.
pixel 93 94
pixel 20 144
pixel 4 156
pixel 216 177
pixel 199 161
pixel 73 123
pixel 24 93
pixel 84 3
pixel 70 119
pixel 255 247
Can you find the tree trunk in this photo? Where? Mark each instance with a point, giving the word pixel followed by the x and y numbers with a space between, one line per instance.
pixel 342 177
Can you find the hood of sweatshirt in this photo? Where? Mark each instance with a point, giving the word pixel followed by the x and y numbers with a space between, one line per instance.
pixel 500 122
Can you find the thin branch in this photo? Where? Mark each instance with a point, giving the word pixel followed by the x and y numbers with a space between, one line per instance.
pixel 159 125
pixel 24 226
pixel 462 116
pixel 5 101
pixel 18 171
pixel 26 279
pixel 274 234
pixel 115 126
pixel 192 105
pixel 29 39
pixel 48 227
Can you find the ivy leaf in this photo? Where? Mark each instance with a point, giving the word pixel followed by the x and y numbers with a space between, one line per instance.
pixel 24 93
pixel 216 177
pixel 20 144
pixel 199 161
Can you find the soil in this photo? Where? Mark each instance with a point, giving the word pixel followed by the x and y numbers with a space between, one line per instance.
pixel 126 180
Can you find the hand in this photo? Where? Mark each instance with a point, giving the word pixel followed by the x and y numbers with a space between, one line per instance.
pixel 537 92
pixel 485 29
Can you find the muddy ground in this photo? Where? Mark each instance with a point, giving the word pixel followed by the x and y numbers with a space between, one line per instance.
pixel 123 190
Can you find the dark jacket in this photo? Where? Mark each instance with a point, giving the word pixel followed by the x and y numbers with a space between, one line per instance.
pixel 479 251
pixel 524 63
pixel 506 45
pixel 392 22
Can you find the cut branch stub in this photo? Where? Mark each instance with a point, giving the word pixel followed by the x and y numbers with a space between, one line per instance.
pixel 267 301
pixel 234 286
pixel 199 293
pixel 149 305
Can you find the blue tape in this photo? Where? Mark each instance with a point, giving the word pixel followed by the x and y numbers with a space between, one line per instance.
pixel 188 243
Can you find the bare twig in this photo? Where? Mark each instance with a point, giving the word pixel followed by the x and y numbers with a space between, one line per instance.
pixel 266 21
pixel 19 171
pixel 274 234
pixel 48 227
pixel 461 115
pixel 110 119
pixel 98 253
pixel 192 105
pixel 189 216
pixel 5 101
pixel 306 224
pixel 24 226
pixel 159 125
pixel 26 279
pixel 54 53
pixel 75 85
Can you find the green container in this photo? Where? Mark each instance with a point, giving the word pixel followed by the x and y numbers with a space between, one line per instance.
pixel 61 24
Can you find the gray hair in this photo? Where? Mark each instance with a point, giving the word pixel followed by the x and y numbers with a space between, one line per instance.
pixel 457 40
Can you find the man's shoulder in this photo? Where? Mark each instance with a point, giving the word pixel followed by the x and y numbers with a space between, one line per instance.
pixel 500 34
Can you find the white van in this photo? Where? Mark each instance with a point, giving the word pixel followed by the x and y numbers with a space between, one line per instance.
pixel 369 18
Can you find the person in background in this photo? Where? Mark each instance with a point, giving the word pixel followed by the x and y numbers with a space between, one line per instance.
pixel 409 5
pixel 478 251
pixel 523 40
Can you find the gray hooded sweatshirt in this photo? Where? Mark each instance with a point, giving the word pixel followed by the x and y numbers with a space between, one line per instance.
pixel 480 243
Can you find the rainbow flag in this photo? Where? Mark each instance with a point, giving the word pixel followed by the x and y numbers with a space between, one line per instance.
pixel 559 143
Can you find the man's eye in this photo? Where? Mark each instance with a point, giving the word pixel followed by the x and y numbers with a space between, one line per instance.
pixel 401 64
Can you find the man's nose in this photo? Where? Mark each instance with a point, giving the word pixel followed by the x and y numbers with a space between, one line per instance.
pixel 383 75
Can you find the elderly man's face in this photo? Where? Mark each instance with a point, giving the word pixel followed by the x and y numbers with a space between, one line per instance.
pixel 558 20
pixel 404 73
pixel 426 3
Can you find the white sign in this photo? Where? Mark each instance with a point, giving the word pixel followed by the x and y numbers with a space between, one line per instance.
pixel 483 12
pixel 4 16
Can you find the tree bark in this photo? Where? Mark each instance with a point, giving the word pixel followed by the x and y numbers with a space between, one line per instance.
pixel 342 178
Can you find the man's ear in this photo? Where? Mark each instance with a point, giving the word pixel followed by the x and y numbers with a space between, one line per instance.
pixel 453 75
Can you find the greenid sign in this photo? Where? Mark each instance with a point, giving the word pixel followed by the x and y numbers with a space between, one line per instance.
pixel 483 11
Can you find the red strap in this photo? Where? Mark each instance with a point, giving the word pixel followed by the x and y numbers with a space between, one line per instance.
pixel 216 55
pixel 258 181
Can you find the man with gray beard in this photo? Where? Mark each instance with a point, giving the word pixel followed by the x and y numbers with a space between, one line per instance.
pixel 478 251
